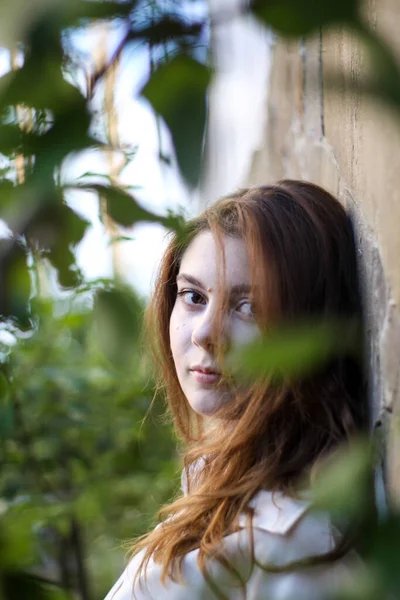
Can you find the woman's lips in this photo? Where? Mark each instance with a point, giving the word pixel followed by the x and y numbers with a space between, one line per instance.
pixel 205 376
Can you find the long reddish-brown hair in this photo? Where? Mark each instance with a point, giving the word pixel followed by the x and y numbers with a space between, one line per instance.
pixel 303 261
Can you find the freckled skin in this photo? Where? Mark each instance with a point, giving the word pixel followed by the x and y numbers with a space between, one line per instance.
pixel 194 312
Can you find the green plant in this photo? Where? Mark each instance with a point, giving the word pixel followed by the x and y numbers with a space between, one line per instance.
pixel 78 455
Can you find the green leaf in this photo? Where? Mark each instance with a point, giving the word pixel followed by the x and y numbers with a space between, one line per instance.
pixel 56 222
pixel 7 195
pixel 30 87
pixel 18 585
pixel 382 77
pixel 302 17
pixel 6 408
pixel 16 539
pixel 69 133
pixel 15 283
pixel 121 238
pixel 67 128
pixel 78 11
pixel 56 229
pixel 117 319
pixel 344 486
pixel 4 389
pixel 125 210
pixel 177 91
pixel 383 549
pixel 10 138
pixel 87 507
pixel 122 207
pixel 296 350
pixel 169 27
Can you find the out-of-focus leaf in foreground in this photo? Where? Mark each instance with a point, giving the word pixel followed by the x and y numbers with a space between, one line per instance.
pixel 381 77
pixel 16 554
pixel 57 229
pixel 18 585
pixel 15 283
pixel 6 408
pixel 125 210
pixel 383 552
pixel 169 27
pixel 117 314
pixel 295 350
pixel 302 17
pixel 343 487
pixel 177 91
pixel 78 12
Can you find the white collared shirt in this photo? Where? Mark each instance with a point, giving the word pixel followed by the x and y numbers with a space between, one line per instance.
pixel 284 530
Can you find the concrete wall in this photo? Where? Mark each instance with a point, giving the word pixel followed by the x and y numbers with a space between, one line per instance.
pixel 351 146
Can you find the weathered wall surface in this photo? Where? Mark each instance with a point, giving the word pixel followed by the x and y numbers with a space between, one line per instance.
pixel 351 146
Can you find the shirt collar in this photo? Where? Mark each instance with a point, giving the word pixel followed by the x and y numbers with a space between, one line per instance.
pixel 274 512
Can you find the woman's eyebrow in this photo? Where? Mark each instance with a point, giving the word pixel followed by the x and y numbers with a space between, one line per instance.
pixel 240 289
pixel 190 279
pixel 236 290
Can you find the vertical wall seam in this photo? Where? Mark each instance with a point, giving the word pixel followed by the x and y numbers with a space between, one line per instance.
pixel 303 91
pixel 321 86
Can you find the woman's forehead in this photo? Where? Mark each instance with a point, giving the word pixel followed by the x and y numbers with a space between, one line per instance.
pixel 204 257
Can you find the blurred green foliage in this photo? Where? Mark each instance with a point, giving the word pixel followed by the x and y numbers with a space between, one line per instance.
pixel 302 17
pixel 78 445
pixel 84 464
pixel 277 354
pixel 177 91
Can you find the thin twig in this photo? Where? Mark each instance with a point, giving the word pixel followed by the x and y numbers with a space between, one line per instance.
pixel 99 73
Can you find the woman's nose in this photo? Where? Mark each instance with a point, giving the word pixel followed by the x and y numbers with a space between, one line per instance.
pixel 206 332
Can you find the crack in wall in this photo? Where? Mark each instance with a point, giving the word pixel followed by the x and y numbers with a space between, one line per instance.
pixel 321 85
pixel 303 91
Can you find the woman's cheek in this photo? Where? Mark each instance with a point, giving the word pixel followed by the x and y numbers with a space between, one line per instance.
pixel 178 329
pixel 244 332
pixel 174 330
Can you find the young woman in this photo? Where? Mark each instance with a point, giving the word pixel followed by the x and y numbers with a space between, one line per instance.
pixel 244 526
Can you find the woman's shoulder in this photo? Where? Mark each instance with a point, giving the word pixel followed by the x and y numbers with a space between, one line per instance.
pixel 285 530
pixel 277 512
pixel 289 525
pixel 282 530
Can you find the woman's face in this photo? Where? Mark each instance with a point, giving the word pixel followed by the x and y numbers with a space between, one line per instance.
pixel 192 324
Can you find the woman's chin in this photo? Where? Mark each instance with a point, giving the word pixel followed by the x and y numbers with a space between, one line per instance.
pixel 207 404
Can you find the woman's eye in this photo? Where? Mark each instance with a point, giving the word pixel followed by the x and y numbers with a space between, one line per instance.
pixel 191 297
pixel 246 308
